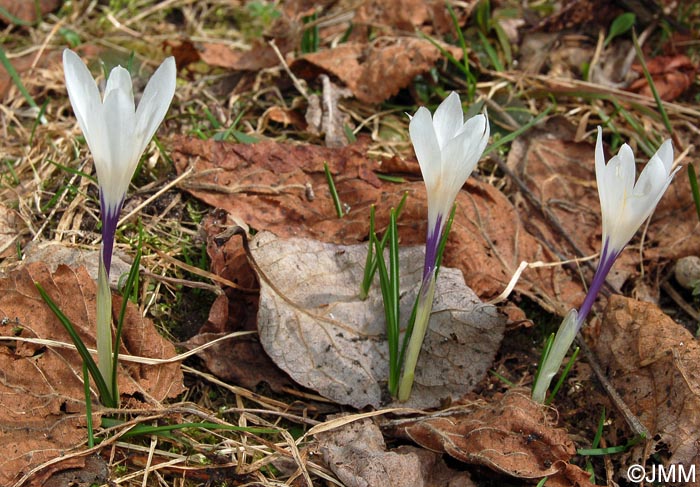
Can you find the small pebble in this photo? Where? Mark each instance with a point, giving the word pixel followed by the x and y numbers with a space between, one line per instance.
pixel 687 271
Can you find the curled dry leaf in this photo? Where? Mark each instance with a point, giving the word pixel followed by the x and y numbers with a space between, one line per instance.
pixel 314 327
pixel 654 363
pixel 357 454
pixel 41 388
pixel 512 435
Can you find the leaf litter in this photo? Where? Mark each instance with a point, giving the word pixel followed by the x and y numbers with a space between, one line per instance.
pixel 654 363
pixel 269 185
pixel 41 387
pixel 557 290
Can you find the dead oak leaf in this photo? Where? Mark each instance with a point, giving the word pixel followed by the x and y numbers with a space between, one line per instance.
pixel 41 387
pixel 512 434
pixel 375 71
pixel 654 363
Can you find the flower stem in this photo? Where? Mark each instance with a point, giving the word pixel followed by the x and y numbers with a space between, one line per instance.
pixel 550 364
pixel 104 324
pixel 424 308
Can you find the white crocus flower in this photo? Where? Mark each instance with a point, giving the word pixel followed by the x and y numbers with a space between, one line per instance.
pixel 117 133
pixel 115 130
pixel 448 149
pixel 625 204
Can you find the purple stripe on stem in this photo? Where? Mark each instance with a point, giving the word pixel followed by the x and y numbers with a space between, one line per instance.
pixel 110 218
pixel 431 248
pixel 607 259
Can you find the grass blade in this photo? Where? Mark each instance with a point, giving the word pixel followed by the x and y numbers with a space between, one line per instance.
pixel 516 133
pixel 105 396
pixel 693 178
pixel 562 377
pixel 334 192
pixel 88 406
pixel 652 86
pixel 131 283
pixel 18 83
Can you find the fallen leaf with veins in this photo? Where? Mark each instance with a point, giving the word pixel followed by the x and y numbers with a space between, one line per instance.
pixel 41 388
pixel 512 434
pixel 654 363
pixel 313 325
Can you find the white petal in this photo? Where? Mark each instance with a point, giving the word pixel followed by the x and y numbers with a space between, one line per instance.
pixel 461 154
pixel 83 94
pixel 626 169
pixel 665 153
pixel 426 146
pixel 448 118
pixel 154 103
pixel 116 169
pixel 120 80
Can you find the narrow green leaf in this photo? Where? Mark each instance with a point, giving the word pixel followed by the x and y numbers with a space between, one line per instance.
pixel 131 283
pixel 163 430
pixel 562 377
pixel 652 86
pixel 612 449
pixel 18 83
pixel 516 133
pixel 334 193
pixel 693 179
pixel 543 358
pixel 619 26
pixel 105 396
pixel 88 406
pixel 491 53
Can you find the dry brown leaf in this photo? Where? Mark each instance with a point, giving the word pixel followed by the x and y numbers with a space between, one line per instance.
pixel 672 76
pixel 403 15
pixel 329 340
pixel 222 56
pixel 41 388
pixel 654 363
pixel 512 435
pixel 282 188
pixel 27 11
pixel 52 254
pixel 357 454
pixel 376 71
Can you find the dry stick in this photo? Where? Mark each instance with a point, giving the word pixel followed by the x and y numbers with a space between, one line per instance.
pixel 633 421
pixel 678 299
pixel 297 84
